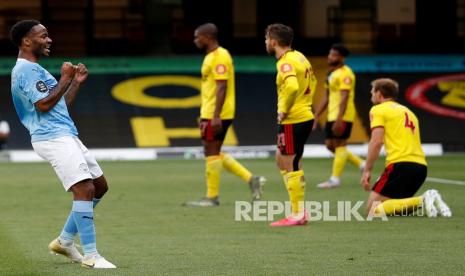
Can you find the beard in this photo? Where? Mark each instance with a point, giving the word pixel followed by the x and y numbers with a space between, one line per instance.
pixel 270 50
pixel 334 63
pixel 40 51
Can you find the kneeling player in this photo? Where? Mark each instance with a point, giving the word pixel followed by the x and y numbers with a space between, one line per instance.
pixel 406 167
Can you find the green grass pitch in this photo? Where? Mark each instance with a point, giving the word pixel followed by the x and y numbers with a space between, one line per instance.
pixel 142 227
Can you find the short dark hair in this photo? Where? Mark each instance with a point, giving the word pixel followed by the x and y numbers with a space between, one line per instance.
pixel 389 88
pixel 209 29
pixel 21 29
pixel 341 48
pixel 282 33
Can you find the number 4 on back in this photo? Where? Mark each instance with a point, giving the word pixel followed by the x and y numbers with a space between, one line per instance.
pixel 408 123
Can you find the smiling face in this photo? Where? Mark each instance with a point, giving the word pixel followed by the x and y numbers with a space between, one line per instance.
pixel 38 41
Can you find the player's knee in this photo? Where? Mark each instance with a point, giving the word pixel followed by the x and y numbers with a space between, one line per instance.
pixel 83 190
pixel 101 191
pixel 330 147
pixel 101 186
pixel 89 190
pixel 212 148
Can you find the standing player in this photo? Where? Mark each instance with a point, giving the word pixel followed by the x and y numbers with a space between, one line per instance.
pixel 397 127
pixel 41 103
pixel 295 83
pixel 339 99
pixel 216 115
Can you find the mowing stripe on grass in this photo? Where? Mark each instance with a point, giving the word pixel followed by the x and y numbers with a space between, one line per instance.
pixel 12 260
pixel 445 181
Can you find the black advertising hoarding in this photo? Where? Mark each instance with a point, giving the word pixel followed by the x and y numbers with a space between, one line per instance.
pixel 155 102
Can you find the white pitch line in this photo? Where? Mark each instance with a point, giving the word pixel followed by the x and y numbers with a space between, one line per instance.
pixel 445 181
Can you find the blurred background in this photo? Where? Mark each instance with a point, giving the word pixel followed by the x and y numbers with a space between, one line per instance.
pixel 161 27
pixel 143 90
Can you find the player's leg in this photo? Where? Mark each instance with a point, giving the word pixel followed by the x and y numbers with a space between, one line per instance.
pixel 101 187
pixel 352 158
pixel 330 143
pixel 339 160
pixel 373 201
pixel 83 214
pixel 213 165
pixel 398 184
pixel 55 151
pixel 281 166
pixel 255 182
pixel 70 165
pixel 98 179
pixel 291 141
pixel 356 160
pixel 338 145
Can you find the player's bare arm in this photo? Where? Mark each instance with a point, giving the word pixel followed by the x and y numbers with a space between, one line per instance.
pixel 338 124
pixel 374 147
pixel 67 74
pixel 79 78
pixel 321 107
pixel 221 86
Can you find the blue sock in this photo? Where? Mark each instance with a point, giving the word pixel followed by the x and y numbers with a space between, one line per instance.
pixel 70 230
pixel 83 213
pixel 95 201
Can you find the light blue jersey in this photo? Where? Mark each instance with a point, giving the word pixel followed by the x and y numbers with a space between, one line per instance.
pixel 30 83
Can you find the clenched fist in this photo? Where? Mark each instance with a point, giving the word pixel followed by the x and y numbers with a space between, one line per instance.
pixel 81 73
pixel 68 70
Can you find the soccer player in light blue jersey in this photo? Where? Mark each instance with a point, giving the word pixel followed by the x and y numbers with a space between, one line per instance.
pixel 42 106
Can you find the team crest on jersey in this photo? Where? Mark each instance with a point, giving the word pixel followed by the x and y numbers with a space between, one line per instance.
pixel 220 69
pixel 41 87
pixel 347 80
pixel 286 67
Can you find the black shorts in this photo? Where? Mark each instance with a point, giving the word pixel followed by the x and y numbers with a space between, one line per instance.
pixel 347 128
pixel 292 137
pixel 207 133
pixel 401 180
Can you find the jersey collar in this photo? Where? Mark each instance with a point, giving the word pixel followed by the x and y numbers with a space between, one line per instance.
pixel 287 51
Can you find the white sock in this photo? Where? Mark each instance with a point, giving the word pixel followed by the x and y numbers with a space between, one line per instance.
pixel 334 180
pixel 66 243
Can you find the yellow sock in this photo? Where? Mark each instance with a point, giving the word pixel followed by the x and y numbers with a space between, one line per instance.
pixel 339 162
pixel 354 159
pixel 234 167
pixel 296 189
pixel 397 206
pixel 213 166
pixel 283 174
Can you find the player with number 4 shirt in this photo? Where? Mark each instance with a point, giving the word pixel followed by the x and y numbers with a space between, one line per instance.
pixel 396 126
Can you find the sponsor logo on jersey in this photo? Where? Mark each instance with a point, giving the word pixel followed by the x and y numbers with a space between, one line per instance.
pixel 221 69
pixel 41 86
pixel 347 80
pixel 286 67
